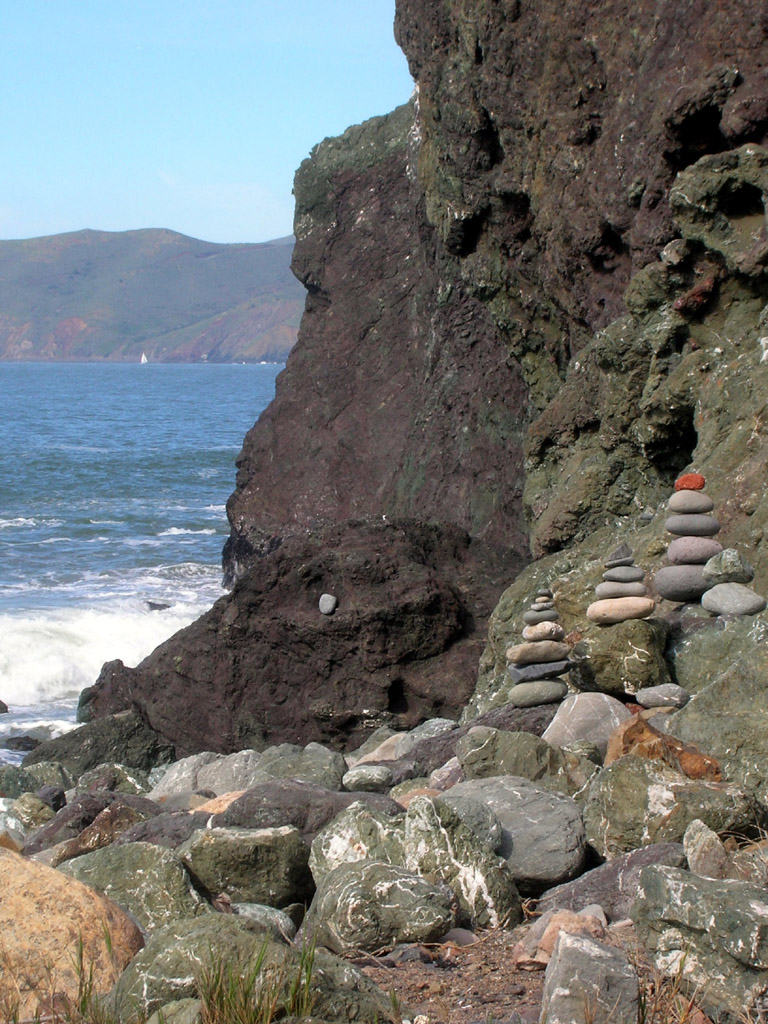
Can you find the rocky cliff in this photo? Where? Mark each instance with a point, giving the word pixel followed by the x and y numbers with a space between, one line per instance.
pixel 533 298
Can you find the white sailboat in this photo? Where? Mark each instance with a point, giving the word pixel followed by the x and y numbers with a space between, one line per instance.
pixel 143 358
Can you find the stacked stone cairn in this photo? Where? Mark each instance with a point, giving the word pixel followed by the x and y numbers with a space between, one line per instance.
pixel 694 529
pixel 622 595
pixel 536 664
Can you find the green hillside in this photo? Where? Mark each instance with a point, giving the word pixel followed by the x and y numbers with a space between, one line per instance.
pixel 113 295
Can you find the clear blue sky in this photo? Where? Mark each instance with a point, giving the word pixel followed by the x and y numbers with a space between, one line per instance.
pixel 184 114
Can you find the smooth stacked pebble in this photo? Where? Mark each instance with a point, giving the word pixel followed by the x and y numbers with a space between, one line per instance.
pixel 727 574
pixel 694 530
pixel 622 595
pixel 536 664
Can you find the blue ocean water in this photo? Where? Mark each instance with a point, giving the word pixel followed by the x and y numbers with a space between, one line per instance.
pixel 113 482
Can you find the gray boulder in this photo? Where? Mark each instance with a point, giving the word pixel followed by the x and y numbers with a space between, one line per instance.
pixel 368 778
pixel 613 886
pixel 729 718
pixel 181 776
pixel 148 881
pixel 313 763
pixel 485 752
pixel 368 905
pixel 438 845
pixel 359 833
pixel 176 957
pixel 118 778
pixel 588 981
pixel 713 933
pixel 586 716
pixel 266 865
pixel 288 802
pixel 634 802
pixel 543 837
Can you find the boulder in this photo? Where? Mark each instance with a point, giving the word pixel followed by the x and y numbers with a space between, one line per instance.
pixel 31 811
pixel 48 923
pixel 168 829
pixel 147 881
pixel 368 778
pixel 623 659
pixel 586 716
pixel 438 845
pixel 613 885
pixel 74 817
pixel 368 905
pixel 633 802
pixel 485 752
pixel 709 933
pixel 181 776
pixel 287 802
pixel 359 832
pixel 313 763
pixel 262 865
pixel 729 717
pixel 543 837
pixel 180 956
pixel 124 736
pixel 587 980
pixel 115 777
pixel 105 828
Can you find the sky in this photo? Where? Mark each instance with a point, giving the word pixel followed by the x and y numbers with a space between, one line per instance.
pixel 184 114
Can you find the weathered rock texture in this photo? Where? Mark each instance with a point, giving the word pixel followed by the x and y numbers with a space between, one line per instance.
pixel 492 343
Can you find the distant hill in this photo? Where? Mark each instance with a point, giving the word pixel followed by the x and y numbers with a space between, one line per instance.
pixel 92 295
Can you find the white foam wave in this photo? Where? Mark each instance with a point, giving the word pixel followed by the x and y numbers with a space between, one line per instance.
pixel 53 654
pixel 177 531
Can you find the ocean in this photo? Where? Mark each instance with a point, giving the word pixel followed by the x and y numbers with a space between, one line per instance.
pixel 113 483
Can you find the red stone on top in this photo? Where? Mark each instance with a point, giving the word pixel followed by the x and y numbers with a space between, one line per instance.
pixel 690 482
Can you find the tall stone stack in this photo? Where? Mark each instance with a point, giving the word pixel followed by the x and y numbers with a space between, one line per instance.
pixel 622 595
pixel 536 665
pixel 694 529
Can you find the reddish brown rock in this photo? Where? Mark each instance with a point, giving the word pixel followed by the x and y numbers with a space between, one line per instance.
pixel 263 666
pixel 637 736
pixel 690 482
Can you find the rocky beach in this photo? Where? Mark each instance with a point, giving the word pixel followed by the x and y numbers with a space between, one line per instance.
pixel 482 718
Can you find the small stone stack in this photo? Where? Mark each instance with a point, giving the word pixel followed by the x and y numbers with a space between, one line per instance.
pixel 622 595
pixel 536 664
pixel 694 530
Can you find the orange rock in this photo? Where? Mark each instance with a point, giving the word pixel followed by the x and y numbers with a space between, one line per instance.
pixel 690 482
pixel 534 950
pixel 219 804
pixel 639 737
pixel 45 919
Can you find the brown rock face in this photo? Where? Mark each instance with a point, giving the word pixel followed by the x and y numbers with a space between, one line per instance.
pixel 44 917
pixel 399 400
pixel 265 665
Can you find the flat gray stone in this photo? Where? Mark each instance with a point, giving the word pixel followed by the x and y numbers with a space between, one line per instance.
pixel 539 670
pixel 667 695
pixel 605 591
pixel 732 599
pixel 624 574
pixel 682 583
pixel 530 618
pixel 686 502
pixel 692 525
pixel 327 604
pixel 542 691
